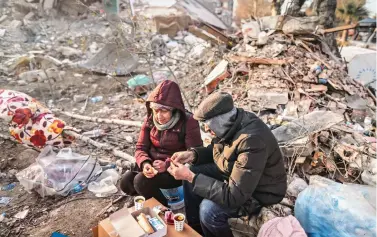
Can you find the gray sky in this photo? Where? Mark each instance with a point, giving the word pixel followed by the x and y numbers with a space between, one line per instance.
pixel 372 7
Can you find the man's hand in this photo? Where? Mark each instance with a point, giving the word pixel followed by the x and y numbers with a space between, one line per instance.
pixel 180 172
pixel 183 157
pixel 159 165
pixel 149 171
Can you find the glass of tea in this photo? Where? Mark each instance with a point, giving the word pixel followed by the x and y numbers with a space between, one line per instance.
pixel 139 202
pixel 179 221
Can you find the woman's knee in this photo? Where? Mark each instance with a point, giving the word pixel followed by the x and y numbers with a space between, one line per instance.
pixel 127 183
pixel 142 183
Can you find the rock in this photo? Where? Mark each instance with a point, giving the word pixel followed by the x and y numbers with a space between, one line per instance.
pixel 68 51
pixel 313 122
pixel 12 172
pixel 48 4
pixel 267 99
pixel 40 75
pixel 80 98
pixel 2 32
pixel 3 18
pixel 93 47
pixel 22 83
pixel 15 24
pixel 28 18
pixel 129 139
pixel 369 175
pixel 78 75
pixel 296 186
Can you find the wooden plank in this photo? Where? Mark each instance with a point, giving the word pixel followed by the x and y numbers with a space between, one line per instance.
pixel 266 61
pixel 340 28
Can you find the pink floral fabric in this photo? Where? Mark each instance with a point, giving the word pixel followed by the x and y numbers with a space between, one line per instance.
pixel 30 122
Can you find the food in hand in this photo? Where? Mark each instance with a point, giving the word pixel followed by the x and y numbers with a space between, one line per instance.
pixel 154 171
pixel 144 223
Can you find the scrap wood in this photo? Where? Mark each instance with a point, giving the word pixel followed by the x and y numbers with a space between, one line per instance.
pixel 339 28
pixel 289 78
pixel 266 61
pixel 101 120
pixel 109 205
pixel 103 146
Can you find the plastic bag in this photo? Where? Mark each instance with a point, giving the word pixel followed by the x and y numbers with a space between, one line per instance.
pixel 58 173
pixel 327 208
pixel 104 185
pixel 139 80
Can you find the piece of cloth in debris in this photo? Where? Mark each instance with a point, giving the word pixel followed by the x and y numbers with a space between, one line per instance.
pixel 30 122
pixel 282 227
pixel 221 124
pixel 172 122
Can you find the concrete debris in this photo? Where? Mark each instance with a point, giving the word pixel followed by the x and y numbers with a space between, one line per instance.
pixel 15 24
pixel 313 122
pixel 268 100
pixel 22 214
pixel 68 51
pixel 112 60
pixel 296 186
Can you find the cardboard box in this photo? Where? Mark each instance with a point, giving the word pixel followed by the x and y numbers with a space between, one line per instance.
pixel 124 224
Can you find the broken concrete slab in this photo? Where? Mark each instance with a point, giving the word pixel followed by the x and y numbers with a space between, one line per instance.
pixel 300 25
pixel 113 60
pixel 48 4
pixel 68 51
pixel 28 18
pixel 15 24
pixel 268 99
pixel 41 75
pixel 3 18
pixel 313 122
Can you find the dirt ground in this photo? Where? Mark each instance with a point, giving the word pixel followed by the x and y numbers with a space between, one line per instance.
pixel 64 214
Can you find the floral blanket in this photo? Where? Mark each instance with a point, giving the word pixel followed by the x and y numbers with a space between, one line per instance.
pixel 30 122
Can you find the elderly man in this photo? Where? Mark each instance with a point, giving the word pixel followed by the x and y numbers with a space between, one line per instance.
pixel 241 171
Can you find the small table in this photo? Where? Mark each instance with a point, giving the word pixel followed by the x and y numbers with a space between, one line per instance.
pixel 187 230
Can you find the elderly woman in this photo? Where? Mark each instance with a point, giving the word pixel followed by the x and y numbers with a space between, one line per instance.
pixel 167 129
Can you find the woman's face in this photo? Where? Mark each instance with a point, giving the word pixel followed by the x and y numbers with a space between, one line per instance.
pixel 162 115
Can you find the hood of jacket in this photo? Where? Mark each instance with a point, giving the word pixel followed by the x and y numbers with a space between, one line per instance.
pixel 166 93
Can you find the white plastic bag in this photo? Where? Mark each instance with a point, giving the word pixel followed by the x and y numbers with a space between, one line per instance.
pixel 58 173
pixel 250 30
pixel 104 185
pixel 327 208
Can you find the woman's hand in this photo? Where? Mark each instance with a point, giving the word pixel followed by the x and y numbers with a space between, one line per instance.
pixel 149 171
pixel 159 165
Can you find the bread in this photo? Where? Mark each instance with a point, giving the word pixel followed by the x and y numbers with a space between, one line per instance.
pixel 144 223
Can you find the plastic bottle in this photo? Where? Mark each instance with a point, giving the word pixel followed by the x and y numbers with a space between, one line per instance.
pixel 8 187
pixel 96 99
pixel 79 187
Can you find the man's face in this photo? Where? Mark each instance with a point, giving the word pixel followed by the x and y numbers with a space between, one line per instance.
pixel 207 129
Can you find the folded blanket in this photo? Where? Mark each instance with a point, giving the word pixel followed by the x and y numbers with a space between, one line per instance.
pixel 30 122
pixel 282 227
